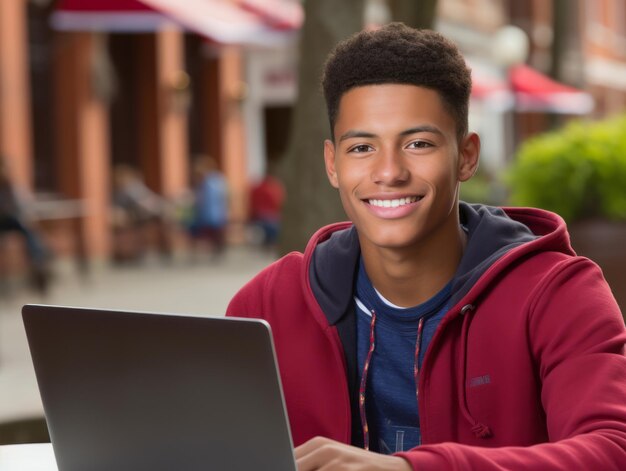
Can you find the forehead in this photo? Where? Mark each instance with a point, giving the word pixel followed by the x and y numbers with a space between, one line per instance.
pixel 386 107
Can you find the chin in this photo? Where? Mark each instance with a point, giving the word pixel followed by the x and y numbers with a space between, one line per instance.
pixel 395 240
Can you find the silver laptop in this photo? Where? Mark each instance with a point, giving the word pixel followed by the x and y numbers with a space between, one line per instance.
pixel 144 391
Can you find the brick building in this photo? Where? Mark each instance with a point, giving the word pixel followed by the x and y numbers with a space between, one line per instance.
pixel 86 84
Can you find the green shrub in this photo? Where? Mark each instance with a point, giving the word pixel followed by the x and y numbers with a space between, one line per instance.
pixel 578 172
pixel 481 188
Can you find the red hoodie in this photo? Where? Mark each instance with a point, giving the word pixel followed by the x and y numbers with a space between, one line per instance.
pixel 527 370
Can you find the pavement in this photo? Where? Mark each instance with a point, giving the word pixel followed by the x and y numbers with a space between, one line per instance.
pixel 199 287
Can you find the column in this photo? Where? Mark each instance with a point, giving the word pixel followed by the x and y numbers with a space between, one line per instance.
pixel 162 106
pixel 233 158
pixel 82 135
pixel 15 119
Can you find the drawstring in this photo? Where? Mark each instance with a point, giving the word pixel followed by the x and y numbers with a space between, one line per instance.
pixel 366 367
pixel 480 430
pixel 416 369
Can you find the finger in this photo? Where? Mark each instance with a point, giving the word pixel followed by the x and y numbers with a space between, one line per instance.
pixel 310 462
pixel 314 454
pixel 311 445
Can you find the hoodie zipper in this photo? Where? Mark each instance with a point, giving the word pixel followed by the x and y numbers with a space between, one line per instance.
pixel 467 311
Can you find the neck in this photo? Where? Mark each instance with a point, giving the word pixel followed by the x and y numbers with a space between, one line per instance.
pixel 410 276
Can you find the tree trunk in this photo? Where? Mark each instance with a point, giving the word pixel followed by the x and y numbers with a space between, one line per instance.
pixel 560 13
pixel 566 57
pixel 311 201
pixel 415 13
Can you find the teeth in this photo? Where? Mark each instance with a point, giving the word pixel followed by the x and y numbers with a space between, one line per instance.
pixel 393 203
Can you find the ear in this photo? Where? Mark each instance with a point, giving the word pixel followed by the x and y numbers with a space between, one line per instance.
pixel 469 153
pixel 329 162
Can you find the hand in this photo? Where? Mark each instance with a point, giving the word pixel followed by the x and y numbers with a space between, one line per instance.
pixel 325 454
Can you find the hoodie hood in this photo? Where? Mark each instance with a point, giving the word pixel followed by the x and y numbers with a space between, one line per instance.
pixel 496 237
pixel 491 234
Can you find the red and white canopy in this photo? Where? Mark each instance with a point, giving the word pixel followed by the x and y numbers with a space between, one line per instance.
pixel 224 21
pixel 529 90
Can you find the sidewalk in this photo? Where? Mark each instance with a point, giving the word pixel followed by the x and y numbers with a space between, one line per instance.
pixel 199 288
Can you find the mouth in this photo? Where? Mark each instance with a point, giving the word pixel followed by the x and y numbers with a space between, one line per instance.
pixel 393 203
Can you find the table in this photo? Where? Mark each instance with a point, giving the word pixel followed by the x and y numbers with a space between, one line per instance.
pixel 28 457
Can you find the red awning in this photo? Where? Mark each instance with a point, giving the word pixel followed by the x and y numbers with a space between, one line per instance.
pixel 101 5
pixel 536 91
pixel 223 21
pixel 529 91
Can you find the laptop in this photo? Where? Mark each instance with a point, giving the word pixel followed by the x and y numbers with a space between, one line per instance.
pixel 145 391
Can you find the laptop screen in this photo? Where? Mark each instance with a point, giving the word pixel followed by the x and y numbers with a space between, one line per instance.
pixel 129 390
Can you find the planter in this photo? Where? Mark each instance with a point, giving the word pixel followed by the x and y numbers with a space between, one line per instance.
pixel 604 242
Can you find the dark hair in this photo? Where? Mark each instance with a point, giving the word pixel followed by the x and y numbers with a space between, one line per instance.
pixel 399 54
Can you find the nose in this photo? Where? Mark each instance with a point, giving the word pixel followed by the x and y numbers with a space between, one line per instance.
pixel 389 168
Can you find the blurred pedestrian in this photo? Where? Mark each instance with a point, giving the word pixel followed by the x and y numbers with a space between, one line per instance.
pixel 209 208
pixel 137 214
pixel 15 218
pixel 266 202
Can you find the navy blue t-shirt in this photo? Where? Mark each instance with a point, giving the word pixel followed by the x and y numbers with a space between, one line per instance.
pixel 390 395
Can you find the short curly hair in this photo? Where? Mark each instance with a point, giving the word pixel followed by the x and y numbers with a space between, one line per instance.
pixel 399 54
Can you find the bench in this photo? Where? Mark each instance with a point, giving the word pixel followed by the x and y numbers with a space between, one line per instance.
pixel 46 212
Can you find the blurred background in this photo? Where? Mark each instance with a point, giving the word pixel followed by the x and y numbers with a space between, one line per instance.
pixel 155 154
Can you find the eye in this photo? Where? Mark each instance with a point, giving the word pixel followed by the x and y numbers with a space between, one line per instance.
pixel 419 145
pixel 361 148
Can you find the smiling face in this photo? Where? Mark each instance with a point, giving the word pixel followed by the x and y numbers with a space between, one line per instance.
pixel 397 163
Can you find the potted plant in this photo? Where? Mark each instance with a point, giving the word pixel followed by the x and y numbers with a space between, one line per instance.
pixel 579 172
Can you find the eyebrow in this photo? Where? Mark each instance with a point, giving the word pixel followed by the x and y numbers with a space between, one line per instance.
pixel 414 130
pixel 355 133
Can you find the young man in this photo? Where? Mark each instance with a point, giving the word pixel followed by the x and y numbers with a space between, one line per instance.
pixel 438 334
